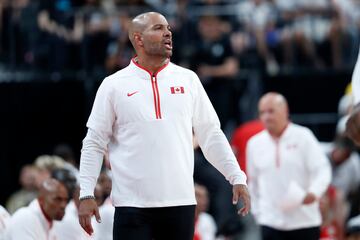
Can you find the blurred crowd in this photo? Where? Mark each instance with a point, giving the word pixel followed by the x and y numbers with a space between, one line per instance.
pixel 91 35
pixel 221 40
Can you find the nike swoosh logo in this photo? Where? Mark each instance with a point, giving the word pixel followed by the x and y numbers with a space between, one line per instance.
pixel 130 94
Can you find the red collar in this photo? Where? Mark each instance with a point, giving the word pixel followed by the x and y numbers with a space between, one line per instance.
pixel 147 70
pixel 48 219
pixel 277 138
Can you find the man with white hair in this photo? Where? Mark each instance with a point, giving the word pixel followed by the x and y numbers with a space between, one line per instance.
pixel 35 221
pixel 288 173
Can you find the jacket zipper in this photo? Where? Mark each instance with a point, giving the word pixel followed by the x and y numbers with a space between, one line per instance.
pixel 156 96
pixel 277 154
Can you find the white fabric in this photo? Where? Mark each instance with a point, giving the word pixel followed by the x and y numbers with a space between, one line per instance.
pixel 255 16
pixel 4 221
pixel 349 10
pixel 312 3
pixel 205 226
pixel 314 26
pixel 104 230
pixel 354 222
pixel 69 227
pixel 355 82
pixel 152 158
pixel 29 223
pixel 281 173
pixel 285 5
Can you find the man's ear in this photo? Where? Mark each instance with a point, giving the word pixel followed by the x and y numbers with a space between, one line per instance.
pixel 138 39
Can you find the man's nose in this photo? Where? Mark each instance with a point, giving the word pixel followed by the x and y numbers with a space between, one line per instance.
pixel 63 204
pixel 168 33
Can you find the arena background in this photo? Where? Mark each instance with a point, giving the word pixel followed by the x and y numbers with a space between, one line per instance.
pixel 41 107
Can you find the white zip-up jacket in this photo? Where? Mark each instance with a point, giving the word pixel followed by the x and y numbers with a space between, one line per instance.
pixel 146 121
pixel 281 172
pixel 4 221
pixel 29 223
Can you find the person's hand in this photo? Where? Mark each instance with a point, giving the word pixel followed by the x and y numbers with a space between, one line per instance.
pixel 309 198
pixel 353 125
pixel 87 209
pixel 240 192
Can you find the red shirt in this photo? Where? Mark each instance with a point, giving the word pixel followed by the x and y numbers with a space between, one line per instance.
pixel 240 138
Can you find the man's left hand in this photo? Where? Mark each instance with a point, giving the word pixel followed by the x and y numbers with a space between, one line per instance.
pixel 240 192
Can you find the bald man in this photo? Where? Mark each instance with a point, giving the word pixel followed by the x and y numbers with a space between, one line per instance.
pixel 288 173
pixel 35 221
pixel 144 116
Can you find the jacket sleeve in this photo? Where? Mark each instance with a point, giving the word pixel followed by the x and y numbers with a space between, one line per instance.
pixel 317 164
pixel 98 136
pixel 212 140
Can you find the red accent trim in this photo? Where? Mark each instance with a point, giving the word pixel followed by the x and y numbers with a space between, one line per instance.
pixel 155 99
pixel 277 153
pixel 158 98
pixel 277 140
pixel 48 219
pixel 148 71
pixel 153 78
pixel 162 67
pixel 143 68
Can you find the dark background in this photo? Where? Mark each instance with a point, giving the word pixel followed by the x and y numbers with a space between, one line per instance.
pixel 37 115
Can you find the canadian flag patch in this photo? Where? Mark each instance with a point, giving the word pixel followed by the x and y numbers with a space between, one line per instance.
pixel 177 90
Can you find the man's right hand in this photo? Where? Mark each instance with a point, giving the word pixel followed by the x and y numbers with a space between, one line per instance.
pixel 87 209
pixel 309 198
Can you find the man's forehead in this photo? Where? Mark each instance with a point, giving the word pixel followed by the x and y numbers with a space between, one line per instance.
pixel 60 190
pixel 268 105
pixel 156 19
pixel 61 194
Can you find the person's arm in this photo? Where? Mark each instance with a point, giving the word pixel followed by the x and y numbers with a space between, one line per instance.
pixel 211 138
pixel 353 123
pixel 319 169
pixel 99 125
pixel 215 146
pixel 46 24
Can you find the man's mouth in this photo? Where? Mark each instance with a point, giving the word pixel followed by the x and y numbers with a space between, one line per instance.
pixel 168 44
